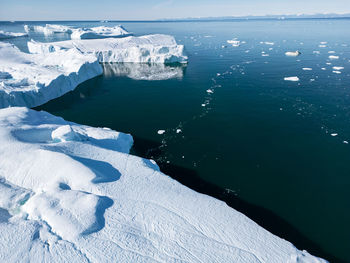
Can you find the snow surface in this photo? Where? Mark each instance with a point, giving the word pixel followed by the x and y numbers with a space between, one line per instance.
pixel 49 29
pixel 72 193
pixel 33 79
pixel 6 35
pixel 144 49
pixel 100 32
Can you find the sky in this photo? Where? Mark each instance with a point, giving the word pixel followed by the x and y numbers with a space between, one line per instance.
pixel 158 9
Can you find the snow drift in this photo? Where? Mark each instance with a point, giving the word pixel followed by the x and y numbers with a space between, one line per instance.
pixel 76 195
pixel 33 79
pixel 144 49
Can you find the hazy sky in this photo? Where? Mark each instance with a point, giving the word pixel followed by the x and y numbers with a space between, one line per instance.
pixel 155 9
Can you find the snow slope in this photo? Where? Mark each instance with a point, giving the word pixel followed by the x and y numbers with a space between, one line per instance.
pixel 100 32
pixel 33 79
pixel 6 35
pixel 72 193
pixel 144 49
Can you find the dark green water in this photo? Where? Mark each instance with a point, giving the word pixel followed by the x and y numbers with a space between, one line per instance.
pixel 265 139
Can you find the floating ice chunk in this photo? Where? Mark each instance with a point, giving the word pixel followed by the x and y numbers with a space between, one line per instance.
pixel 234 42
pixel 160 132
pixel 323 68
pixel 346 142
pixel 307 69
pixel 291 79
pixel 49 29
pixel 323 46
pixel 323 43
pixel 265 55
pixel 210 91
pixel 333 57
pixel 33 79
pixel 338 68
pixel 6 35
pixel 331 52
pixel 269 43
pixel 143 49
pixel 100 32
pixel 178 130
pixel 334 134
pixel 336 71
pixel 293 53
pixel 316 52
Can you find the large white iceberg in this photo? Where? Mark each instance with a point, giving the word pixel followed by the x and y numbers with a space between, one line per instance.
pixel 72 193
pixel 100 32
pixel 144 49
pixel 49 29
pixel 6 35
pixel 33 79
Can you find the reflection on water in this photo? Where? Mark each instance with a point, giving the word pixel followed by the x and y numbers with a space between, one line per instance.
pixel 142 71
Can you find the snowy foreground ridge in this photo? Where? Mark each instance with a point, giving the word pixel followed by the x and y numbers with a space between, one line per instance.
pixel 33 79
pixel 72 193
pixel 144 49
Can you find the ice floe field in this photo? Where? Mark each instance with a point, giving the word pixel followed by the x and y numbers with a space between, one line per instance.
pixel 260 114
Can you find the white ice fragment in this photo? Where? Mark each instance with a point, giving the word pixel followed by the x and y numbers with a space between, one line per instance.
pixel 333 57
pixel 346 142
pixel 338 68
pixel 291 79
pixel 316 52
pixel 234 42
pixel 210 91
pixel 160 132
pixel 292 53
pixel 307 69
pixel 178 130
pixel 331 52
pixel 323 46
pixel 336 71
pixel 334 134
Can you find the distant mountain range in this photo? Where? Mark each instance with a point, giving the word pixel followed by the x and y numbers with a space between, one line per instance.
pixel 280 17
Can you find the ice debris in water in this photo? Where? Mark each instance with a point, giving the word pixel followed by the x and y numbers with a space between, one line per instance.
pixel 234 42
pixel 293 53
pixel 338 68
pixel 307 69
pixel 333 57
pixel 160 132
pixel 291 79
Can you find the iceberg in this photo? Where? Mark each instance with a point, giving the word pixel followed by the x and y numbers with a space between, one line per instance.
pixel 144 49
pixel 49 29
pixel 143 71
pixel 34 79
pixel 100 32
pixel 77 195
pixel 6 35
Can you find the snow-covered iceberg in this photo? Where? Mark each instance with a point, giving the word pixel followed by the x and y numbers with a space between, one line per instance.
pixel 33 79
pixel 72 193
pixel 6 35
pixel 144 49
pixel 49 29
pixel 100 32
pixel 142 71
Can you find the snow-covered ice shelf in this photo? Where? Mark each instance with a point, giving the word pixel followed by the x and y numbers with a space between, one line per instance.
pixel 73 193
pixel 144 49
pixel 33 79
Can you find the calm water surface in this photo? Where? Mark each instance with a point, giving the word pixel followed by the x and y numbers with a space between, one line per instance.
pixel 276 144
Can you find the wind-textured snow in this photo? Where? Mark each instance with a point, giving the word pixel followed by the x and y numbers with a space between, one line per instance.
pixel 33 79
pixel 100 32
pixel 73 193
pixel 144 49
pixel 6 35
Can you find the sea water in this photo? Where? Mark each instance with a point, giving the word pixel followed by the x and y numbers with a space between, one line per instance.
pixel 232 119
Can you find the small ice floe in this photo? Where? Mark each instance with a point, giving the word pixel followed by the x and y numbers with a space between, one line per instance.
pixel 334 134
pixel 218 74
pixel 316 52
pixel 346 142
pixel 336 71
pixel 269 43
pixel 223 46
pixel 307 69
pixel 323 68
pixel 234 42
pixel 328 63
pixel 333 57
pixel 210 91
pixel 264 54
pixel 160 132
pixel 322 46
pixel 331 52
pixel 323 43
pixel 291 79
pixel 247 51
pixel 178 130
pixel 338 68
pixel 203 105
pixel 292 53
